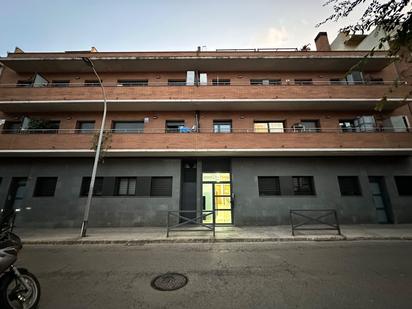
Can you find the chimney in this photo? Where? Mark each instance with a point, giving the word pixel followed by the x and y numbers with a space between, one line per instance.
pixel 18 50
pixel 322 42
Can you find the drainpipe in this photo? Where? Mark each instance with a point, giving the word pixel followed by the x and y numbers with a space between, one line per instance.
pixel 197 122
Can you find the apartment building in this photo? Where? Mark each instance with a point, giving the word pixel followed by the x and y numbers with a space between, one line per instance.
pixel 249 133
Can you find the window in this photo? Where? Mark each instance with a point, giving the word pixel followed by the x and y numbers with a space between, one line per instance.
pixel 265 82
pixel 60 83
pixel 310 125
pixel 176 82
pixel 303 81
pixel 85 127
pixel 190 78
pixel 222 126
pixel 349 185
pixel 269 126
pixel 161 186
pixel 347 125
pixel 203 79
pixel 396 124
pixel 355 77
pixel 12 127
pixel 220 82
pixel 268 186
pixel 126 186
pixel 97 189
pixel 91 83
pixel 45 186
pixel 39 81
pixel 128 126
pixel 376 81
pixel 174 126
pixel 24 83
pixel 303 185
pixel 337 81
pixel 43 126
pixel 404 185
pixel 132 82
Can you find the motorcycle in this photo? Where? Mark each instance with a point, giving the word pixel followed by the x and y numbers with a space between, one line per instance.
pixel 19 289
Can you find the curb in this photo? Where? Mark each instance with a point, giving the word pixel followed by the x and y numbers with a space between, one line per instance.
pixel 215 240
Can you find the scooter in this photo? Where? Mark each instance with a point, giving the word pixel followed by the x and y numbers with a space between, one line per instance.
pixel 19 289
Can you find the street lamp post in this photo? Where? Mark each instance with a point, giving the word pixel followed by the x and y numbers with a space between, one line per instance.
pixel 89 62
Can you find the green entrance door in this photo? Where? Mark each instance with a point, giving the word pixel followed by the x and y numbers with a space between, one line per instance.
pixel 217 194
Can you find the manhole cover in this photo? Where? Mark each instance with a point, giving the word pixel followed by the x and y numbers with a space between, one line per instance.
pixel 169 282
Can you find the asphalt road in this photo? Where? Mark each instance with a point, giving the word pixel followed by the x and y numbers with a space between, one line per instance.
pixel 226 275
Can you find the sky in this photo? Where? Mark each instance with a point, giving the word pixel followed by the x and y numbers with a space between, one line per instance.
pixel 145 25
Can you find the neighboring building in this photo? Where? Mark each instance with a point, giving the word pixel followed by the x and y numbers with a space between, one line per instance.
pixel 253 133
pixel 349 42
pixel 368 42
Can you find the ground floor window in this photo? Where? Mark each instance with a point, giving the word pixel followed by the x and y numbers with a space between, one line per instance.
pixel 45 186
pixel 404 185
pixel 126 186
pixel 268 185
pixel 161 186
pixel 349 185
pixel 303 185
pixel 97 189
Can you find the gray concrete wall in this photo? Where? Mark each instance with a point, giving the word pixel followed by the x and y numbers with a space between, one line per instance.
pixel 66 208
pixel 252 209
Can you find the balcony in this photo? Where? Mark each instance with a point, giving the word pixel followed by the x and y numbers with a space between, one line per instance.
pixel 240 142
pixel 319 95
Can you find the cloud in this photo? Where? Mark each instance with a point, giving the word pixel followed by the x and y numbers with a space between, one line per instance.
pixel 272 37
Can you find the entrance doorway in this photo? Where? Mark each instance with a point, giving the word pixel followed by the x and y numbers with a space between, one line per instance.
pixel 380 199
pixel 217 195
pixel 17 192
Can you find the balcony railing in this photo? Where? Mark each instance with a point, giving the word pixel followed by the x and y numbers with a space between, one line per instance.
pixel 140 84
pixel 162 91
pixel 187 130
pixel 205 139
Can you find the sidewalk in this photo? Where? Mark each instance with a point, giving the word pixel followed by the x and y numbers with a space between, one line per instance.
pixel 146 235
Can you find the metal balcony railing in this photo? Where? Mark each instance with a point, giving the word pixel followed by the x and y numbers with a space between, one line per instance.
pixel 140 84
pixel 207 130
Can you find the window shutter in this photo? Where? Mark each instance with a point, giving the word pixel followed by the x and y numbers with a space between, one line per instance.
pixel 268 186
pixel 45 186
pixel 161 186
pixel 349 185
pixel 143 186
pixel 286 185
pixel 107 185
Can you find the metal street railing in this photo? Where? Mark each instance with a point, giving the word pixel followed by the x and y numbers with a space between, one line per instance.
pixel 184 219
pixel 314 220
